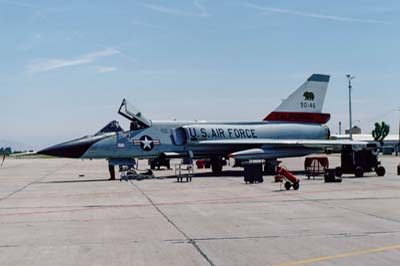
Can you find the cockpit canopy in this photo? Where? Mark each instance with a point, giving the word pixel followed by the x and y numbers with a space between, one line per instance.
pixel 113 126
pixel 138 120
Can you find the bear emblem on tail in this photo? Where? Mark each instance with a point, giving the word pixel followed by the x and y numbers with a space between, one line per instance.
pixel 308 96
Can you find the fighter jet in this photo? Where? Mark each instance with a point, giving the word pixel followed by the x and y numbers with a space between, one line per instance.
pixel 296 128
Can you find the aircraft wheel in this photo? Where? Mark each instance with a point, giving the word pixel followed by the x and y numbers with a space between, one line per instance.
pixel 359 171
pixel 338 171
pixel 296 186
pixel 288 185
pixel 216 168
pixel 380 171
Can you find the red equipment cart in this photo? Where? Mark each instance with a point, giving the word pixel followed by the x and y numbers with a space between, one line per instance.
pixel 316 166
pixel 291 179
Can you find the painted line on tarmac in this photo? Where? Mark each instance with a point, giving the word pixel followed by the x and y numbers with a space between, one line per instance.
pixel 342 255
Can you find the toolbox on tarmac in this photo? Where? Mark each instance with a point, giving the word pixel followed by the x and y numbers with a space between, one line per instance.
pixel 253 171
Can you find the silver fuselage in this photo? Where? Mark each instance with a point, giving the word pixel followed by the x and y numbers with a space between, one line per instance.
pixel 162 138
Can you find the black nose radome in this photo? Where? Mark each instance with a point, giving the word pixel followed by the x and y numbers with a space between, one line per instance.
pixel 72 149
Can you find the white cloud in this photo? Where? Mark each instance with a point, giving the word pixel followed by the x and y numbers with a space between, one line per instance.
pixel 201 11
pixel 105 69
pixel 52 64
pixel 314 15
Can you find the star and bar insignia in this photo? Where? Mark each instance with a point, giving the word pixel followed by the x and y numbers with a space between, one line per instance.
pixel 146 143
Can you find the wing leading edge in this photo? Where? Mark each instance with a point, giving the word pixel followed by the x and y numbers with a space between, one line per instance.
pixel 282 142
pixel 279 148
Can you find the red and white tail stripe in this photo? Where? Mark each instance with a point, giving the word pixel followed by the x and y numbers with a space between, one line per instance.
pixel 305 104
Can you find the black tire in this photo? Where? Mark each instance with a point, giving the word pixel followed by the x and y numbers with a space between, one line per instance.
pixel 288 185
pixel 296 186
pixel 359 171
pixel 338 172
pixel 380 171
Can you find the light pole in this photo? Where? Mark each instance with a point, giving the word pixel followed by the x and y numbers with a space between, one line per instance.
pixel 350 77
pixel 398 144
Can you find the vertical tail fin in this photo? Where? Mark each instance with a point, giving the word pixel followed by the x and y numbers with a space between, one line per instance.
pixel 305 104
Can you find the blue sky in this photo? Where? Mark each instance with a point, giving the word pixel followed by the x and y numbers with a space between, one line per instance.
pixel 66 65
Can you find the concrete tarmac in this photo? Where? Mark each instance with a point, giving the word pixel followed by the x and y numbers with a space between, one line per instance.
pixel 64 212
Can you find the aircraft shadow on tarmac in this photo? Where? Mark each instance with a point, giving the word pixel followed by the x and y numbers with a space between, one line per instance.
pixel 228 173
pixel 74 181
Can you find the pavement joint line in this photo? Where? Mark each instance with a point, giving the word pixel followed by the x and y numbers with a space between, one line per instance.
pixel 31 183
pixel 342 255
pixel 68 220
pixel 303 196
pixel 322 202
pixel 191 241
pixel 210 201
pixel 372 215
pixel 360 234
pixel 50 195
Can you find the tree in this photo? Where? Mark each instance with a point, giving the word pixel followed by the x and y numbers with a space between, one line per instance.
pixel 380 132
pixel 5 151
pixel 8 150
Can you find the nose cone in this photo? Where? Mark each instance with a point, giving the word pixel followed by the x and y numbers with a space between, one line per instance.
pixel 72 149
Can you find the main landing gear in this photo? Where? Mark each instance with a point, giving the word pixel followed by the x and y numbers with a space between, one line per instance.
pixel 217 164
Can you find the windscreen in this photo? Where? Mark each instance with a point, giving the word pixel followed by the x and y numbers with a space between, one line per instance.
pixel 113 126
